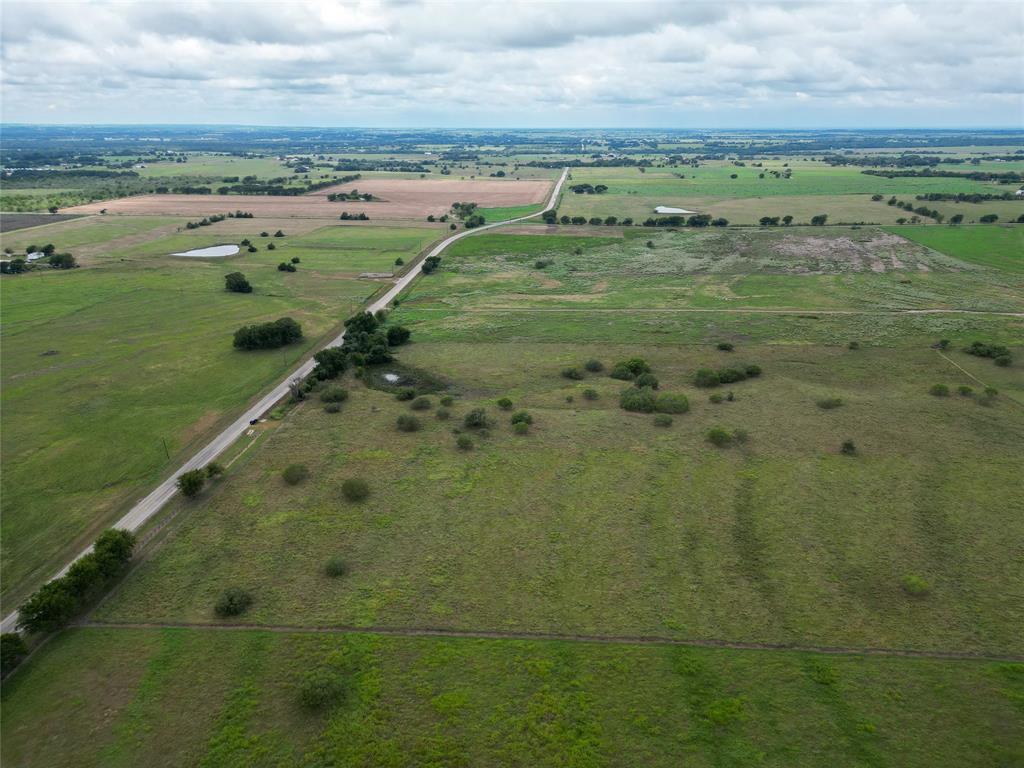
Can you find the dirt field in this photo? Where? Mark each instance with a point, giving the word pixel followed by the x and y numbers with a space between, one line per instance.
pixel 400 199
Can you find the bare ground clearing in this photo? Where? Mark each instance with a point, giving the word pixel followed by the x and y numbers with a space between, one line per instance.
pixel 401 199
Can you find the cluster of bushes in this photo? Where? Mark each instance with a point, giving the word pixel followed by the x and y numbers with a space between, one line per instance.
pixel 430 264
pixel 355 194
pixel 236 283
pixel 722 438
pixel 773 221
pixel 697 220
pixel 587 189
pixel 57 602
pixel 190 483
pixel 366 343
pixel 346 216
pixel 205 222
pixel 596 221
pixel 646 400
pixel 234 602
pixel 705 377
pixel 268 335
pixel 286 266
pixel 999 354
pixel 921 210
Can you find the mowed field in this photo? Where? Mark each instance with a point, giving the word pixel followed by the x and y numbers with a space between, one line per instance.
pixel 399 199
pixel 112 372
pixel 615 549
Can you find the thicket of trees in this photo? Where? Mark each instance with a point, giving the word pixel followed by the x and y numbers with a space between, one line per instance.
pixel 268 335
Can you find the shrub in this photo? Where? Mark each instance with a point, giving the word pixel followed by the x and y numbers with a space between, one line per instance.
pixel 752 371
pixel 636 365
pixel 740 435
pixel 332 408
pixel 942 344
pixel 355 489
pixel 594 366
pixel 335 567
pixel 725 346
pixel 731 375
pixel 590 394
pixel 522 417
pixel 828 403
pixel 716 398
pixel 476 419
pixel 236 283
pixel 268 335
pixel 853 345
pixel 637 400
pixel 12 651
pixel 320 689
pixel 646 380
pixel 443 414
pixel 447 401
pixel 191 483
pixel 334 394
pixel 572 373
pixel 520 427
pixel 662 420
pixel 421 404
pixel 406 393
pixel 234 602
pixel 505 404
pixel 398 335
pixel 705 377
pixel 667 402
pixel 730 396
pixel 621 372
pixel 214 469
pixel 295 473
pixel 719 437
pixel 407 423
pixel 1003 361
pixel 939 390
pixel 916 586
pixel 965 391
pixel 464 442
pixel 981 349
pixel 848 448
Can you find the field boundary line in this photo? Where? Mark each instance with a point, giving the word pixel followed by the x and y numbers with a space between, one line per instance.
pixel 734 310
pixel 441 632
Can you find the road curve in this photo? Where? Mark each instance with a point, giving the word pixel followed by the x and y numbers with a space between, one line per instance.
pixel 154 502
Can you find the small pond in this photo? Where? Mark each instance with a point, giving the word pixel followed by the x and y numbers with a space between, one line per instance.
pixel 211 252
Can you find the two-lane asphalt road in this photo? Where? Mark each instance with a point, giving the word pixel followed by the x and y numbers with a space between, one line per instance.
pixel 154 502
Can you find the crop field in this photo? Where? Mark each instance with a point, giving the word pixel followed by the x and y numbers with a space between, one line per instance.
pixel 810 560
pixel 10 222
pixel 110 372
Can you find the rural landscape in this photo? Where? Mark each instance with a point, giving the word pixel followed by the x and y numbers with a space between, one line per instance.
pixel 536 446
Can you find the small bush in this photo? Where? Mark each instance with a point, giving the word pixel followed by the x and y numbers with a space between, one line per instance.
pixel 421 404
pixel 406 393
pixel 520 427
pixel 752 371
pixel 594 366
pixel 234 602
pixel 335 567
pixel 295 473
pixel 214 469
pixel 731 375
pixel 828 403
pixel 464 442
pixel 1003 361
pixel 939 390
pixel 572 373
pixel 848 448
pixel 637 400
pixel 668 402
pixel 719 437
pixel 334 394
pixel 705 377
pixel 590 394
pixel 716 398
pixel 740 436
pixel 730 396
pixel 407 423
pixel 505 404
pixel 965 391
pixel 447 401
pixel 646 380
pixel 320 689
pixel 725 346
pixel 916 586
pixel 636 365
pixel 476 419
pixel 853 345
pixel 443 414
pixel 12 651
pixel 332 408
pixel 522 417
pixel 355 489
pixel 621 372
pixel 662 420
pixel 191 483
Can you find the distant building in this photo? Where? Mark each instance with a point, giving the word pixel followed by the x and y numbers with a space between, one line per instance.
pixel 1020 193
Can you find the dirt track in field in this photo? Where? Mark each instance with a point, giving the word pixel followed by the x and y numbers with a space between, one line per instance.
pixel 400 199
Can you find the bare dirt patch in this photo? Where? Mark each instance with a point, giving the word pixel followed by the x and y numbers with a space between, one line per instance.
pixel 402 199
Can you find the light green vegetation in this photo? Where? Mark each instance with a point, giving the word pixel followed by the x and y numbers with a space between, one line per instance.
pixel 187 697
pixel 783 268
pixel 220 166
pixel 598 522
pixel 1000 247
pixel 509 212
pixel 93 235
pixel 103 366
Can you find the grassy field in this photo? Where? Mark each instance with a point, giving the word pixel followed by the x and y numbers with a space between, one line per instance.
pixel 111 372
pixel 179 697
pixel 1000 248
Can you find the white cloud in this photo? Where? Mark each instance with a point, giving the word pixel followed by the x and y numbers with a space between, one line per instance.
pixel 505 63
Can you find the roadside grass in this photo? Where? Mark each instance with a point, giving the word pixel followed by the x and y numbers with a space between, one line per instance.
pixel 1000 247
pixel 143 361
pixel 599 522
pixel 176 697
pixel 509 212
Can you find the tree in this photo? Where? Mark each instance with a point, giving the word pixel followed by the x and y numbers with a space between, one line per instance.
pixel 295 473
pixel 53 209
pixel 989 218
pixel 956 218
pixel 355 489
pixel 12 651
pixel 476 419
pixel 430 264
pixel 235 282
pixel 819 220
pixel 63 261
pixel 233 602
pixel 330 363
pixel 49 608
pixel 190 483
pixel 268 335
pixel 113 550
pixel 398 335
pixel 787 219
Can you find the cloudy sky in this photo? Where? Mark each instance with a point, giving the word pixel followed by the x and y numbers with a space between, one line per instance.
pixel 522 64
